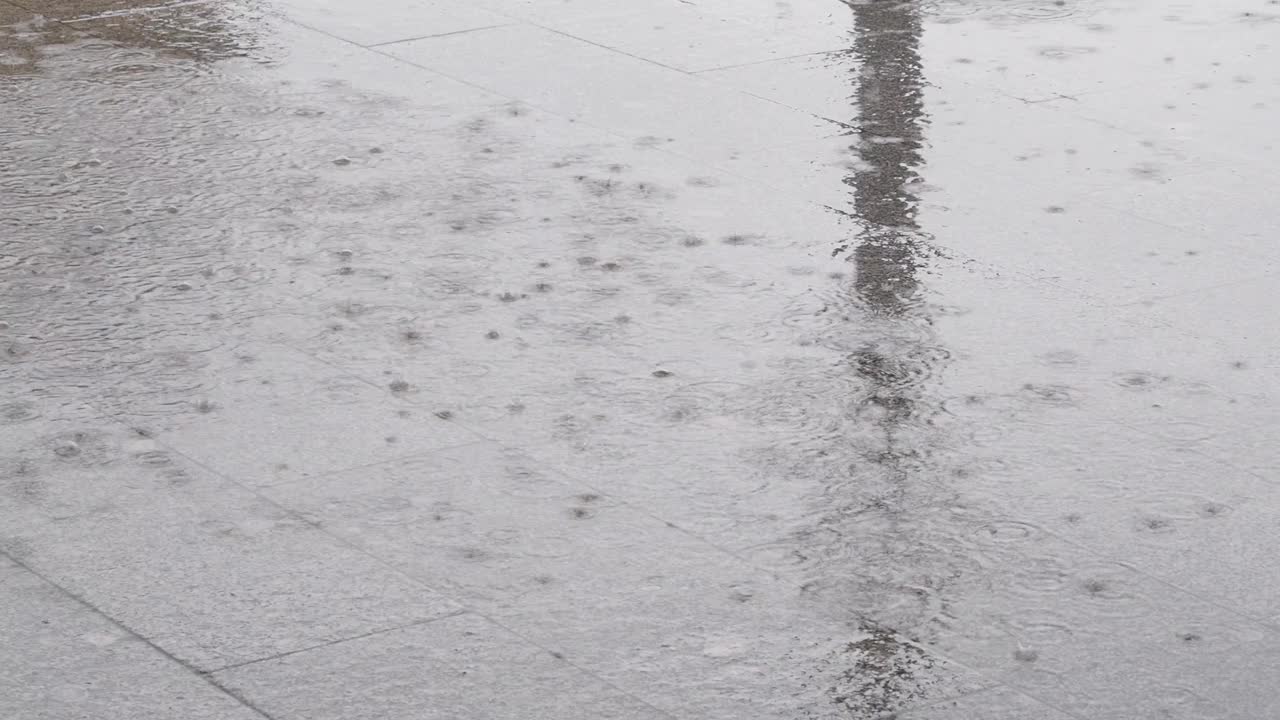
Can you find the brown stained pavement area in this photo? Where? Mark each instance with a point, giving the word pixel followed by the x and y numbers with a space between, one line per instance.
pixel 697 359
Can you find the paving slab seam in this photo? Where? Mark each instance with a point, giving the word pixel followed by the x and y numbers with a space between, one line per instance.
pixel 610 49
pixel 339 641
pixel 141 638
pixel 692 73
pixel 573 119
pixel 356 547
pixel 436 35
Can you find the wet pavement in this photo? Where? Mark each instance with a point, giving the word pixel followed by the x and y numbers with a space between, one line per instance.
pixel 705 359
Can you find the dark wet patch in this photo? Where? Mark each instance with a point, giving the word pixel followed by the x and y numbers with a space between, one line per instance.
pixel 1139 380
pixel 1213 510
pixel 399 386
pixel 1095 587
pixel 473 554
pixel 881 674
pixel 1155 524
pixel 692 241
pixel 581 513
pixel 599 187
pixel 1050 394
pixel 1026 655
pixel 206 406
pixel 17 412
pixel 1147 171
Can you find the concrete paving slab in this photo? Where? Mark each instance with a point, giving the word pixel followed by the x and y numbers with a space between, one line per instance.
pixel 593 84
pixel 930 375
pixel 250 411
pixel 62 659
pixel 455 667
pixel 191 562
pixel 994 704
pixel 691 38
pixel 388 21
pixel 540 556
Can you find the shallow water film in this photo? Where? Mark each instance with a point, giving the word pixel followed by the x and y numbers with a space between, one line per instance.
pixel 639 359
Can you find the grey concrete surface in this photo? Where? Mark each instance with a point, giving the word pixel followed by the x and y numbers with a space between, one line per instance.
pixel 699 359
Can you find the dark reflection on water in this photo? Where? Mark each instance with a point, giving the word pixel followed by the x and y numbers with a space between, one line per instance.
pixel 889 250
pixel 882 569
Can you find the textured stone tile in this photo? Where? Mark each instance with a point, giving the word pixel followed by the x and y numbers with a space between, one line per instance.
pixel 610 90
pixel 197 565
pixel 260 414
pixel 463 666
pixel 690 38
pixel 62 660
pixel 384 21
pixel 679 623
pixel 994 704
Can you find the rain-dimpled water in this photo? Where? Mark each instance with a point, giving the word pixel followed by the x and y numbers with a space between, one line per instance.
pixel 639 359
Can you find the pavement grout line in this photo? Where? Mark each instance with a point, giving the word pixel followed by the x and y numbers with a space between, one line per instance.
pixel 372 633
pixel 437 35
pixel 140 637
pixel 612 49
